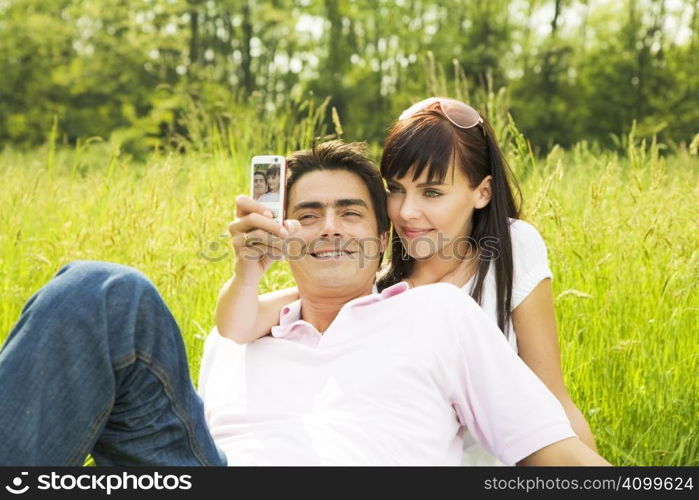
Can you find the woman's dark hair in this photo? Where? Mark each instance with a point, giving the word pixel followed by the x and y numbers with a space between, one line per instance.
pixel 427 140
pixel 339 155
pixel 273 171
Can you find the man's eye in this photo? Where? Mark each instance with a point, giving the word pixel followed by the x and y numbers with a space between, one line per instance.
pixel 306 217
pixel 352 214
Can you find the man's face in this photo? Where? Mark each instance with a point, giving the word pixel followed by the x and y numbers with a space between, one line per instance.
pixel 337 245
pixel 259 185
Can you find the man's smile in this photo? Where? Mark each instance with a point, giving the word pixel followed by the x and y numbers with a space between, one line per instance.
pixel 331 253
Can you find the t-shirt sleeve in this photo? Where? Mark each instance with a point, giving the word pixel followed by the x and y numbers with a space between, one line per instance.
pixel 529 259
pixel 507 408
pixel 208 360
pixel 219 353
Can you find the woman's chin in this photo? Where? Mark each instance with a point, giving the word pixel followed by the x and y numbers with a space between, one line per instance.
pixel 423 256
pixel 420 250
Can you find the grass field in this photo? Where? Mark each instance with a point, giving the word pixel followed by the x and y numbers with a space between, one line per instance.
pixel 621 232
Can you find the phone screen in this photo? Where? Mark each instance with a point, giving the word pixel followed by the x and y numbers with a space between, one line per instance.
pixel 268 182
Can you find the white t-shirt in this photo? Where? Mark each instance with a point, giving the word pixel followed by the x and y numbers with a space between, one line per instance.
pixel 269 197
pixel 530 267
pixel 375 389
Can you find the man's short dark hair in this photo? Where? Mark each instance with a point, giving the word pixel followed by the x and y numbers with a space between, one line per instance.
pixel 347 156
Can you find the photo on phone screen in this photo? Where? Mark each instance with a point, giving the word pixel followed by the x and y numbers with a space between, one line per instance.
pixel 268 182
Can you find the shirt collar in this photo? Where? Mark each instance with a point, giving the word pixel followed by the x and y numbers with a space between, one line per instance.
pixel 292 327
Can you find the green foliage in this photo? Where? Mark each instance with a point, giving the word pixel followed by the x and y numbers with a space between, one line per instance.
pixel 129 71
pixel 624 259
pixel 143 114
pixel 620 230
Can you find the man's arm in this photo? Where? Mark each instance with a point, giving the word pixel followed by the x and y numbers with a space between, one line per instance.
pixel 257 241
pixel 567 452
pixel 500 399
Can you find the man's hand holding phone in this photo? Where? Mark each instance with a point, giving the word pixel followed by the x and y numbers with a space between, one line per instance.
pixel 257 238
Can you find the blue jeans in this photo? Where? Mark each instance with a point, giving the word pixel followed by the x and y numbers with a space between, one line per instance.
pixel 96 364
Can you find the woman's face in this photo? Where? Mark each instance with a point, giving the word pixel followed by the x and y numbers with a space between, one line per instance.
pixel 431 218
pixel 273 183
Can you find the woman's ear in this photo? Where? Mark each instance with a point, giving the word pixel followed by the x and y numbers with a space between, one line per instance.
pixel 484 192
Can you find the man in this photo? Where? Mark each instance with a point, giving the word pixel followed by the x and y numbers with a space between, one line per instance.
pixel 259 184
pixel 96 363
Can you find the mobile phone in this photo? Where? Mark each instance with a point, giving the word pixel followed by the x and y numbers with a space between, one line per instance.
pixel 268 183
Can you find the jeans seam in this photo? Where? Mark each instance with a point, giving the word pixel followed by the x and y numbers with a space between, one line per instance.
pixel 123 362
pixel 97 423
pixel 169 392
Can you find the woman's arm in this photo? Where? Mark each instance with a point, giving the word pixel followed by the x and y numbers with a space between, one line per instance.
pixel 534 322
pixel 243 316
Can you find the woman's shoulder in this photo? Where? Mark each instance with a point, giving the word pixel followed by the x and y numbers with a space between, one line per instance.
pixel 526 240
pixel 523 230
pixel 529 259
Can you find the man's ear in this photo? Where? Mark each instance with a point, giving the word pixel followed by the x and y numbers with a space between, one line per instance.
pixel 484 192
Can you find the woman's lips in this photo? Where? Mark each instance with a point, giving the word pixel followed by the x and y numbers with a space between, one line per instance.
pixel 414 232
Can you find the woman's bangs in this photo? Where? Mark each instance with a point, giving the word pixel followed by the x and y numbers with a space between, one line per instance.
pixel 422 143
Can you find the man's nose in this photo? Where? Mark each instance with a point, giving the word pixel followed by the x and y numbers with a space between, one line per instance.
pixel 331 226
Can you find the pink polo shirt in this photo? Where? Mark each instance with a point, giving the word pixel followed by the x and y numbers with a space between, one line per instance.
pixel 393 380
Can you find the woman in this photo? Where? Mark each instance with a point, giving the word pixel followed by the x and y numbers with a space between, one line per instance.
pixel 272 193
pixel 455 219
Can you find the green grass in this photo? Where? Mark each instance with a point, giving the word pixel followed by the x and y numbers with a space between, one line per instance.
pixel 621 233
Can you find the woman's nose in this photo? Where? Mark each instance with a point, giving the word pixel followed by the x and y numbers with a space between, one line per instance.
pixel 409 209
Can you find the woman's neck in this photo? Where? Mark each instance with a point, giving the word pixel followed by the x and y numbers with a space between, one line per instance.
pixel 434 270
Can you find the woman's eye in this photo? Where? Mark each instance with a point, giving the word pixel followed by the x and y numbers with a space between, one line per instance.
pixel 393 189
pixel 431 193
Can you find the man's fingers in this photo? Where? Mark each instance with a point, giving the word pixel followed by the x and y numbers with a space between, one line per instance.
pixel 244 205
pixel 238 240
pixel 256 244
pixel 258 236
pixel 255 221
pixel 251 249
pixel 292 225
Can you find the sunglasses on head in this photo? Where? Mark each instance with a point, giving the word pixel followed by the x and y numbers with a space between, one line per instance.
pixel 459 114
